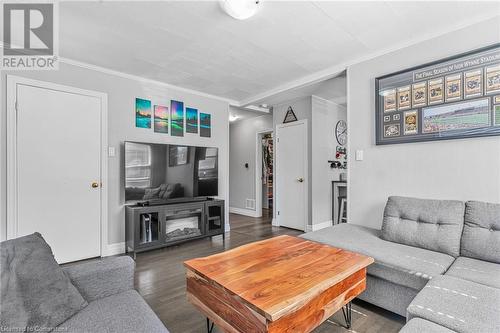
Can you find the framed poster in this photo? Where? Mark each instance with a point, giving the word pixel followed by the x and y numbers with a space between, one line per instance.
pixel 456 97
pixel 205 125
pixel 191 120
pixel 142 113
pixel 161 119
pixel 176 118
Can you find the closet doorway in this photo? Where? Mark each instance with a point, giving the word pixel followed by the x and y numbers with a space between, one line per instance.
pixel 264 180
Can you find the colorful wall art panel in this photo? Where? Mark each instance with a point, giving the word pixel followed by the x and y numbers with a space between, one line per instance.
pixel 191 120
pixel 177 118
pixel 161 119
pixel 452 98
pixel 142 113
pixel 205 125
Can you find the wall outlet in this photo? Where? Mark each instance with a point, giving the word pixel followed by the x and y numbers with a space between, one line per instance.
pixel 250 204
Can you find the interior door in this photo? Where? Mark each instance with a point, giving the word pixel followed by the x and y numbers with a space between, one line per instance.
pixel 291 175
pixel 58 150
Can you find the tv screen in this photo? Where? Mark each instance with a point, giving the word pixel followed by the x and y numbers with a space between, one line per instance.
pixel 169 172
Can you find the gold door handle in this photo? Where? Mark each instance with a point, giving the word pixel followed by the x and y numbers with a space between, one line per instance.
pixel 95 185
pixel 300 180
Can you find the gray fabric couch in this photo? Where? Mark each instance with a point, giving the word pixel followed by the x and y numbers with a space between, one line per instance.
pixel 113 304
pixel 428 255
pixel 95 296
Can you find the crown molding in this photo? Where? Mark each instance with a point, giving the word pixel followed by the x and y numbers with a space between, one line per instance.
pixel 100 69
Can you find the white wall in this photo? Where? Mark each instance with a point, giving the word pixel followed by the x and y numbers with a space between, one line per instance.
pixel 466 169
pixel 242 145
pixel 121 98
pixel 325 115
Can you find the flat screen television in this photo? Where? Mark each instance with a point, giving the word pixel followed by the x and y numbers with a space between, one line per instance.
pixel 166 172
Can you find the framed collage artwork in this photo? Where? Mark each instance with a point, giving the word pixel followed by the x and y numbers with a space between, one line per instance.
pixel 456 97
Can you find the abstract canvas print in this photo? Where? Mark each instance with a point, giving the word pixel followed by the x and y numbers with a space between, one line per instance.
pixel 161 119
pixel 177 118
pixel 191 120
pixel 205 126
pixel 142 113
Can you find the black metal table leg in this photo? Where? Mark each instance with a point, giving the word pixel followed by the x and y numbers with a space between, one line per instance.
pixel 347 312
pixel 209 327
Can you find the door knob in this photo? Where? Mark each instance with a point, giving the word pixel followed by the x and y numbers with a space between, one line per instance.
pixel 300 180
pixel 95 184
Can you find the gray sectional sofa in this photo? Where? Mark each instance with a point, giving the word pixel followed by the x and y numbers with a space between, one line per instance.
pixel 96 296
pixel 437 262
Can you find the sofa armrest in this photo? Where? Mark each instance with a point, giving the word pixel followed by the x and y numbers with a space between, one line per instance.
pixel 102 278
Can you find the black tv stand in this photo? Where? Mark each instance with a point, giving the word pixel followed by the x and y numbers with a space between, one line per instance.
pixel 154 224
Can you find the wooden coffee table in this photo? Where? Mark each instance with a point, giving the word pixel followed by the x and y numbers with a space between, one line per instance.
pixel 282 284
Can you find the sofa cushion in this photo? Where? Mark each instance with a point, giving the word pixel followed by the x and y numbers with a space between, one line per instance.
pixel 418 325
pixel 481 236
pixel 434 225
pixel 405 265
pixel 460 305
pixel 124 312
pixel 474 270
pixel 35 292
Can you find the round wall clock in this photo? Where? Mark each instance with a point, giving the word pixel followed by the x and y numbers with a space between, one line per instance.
pixel 341 132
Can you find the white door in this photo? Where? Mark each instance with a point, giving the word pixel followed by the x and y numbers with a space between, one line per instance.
pixel 291 175
pixel 58 170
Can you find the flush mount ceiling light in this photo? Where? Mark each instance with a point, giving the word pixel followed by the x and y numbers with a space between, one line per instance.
pixel 240 9
pixel 233 118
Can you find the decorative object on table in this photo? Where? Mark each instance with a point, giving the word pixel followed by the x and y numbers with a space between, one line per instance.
pixel 289 116
pixel 191 120
pixel 178 155
pixel 341 132
pixel 340 161
pixel 142 113
pixel 446 99
pixel 161 119
pixel 205 125
pixel 176 118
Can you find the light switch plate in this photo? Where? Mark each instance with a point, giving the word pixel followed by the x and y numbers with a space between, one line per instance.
pixel 359 155
pixel 111 151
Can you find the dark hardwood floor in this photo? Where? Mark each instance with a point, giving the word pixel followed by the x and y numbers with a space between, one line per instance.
pixel 160 279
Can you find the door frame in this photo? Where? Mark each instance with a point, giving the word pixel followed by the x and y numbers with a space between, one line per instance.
pixel 12 181
pixel 276 198
pixel 258 170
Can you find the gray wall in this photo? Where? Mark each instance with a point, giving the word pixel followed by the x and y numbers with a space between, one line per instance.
pixel 242 141
pixel 302 108
pixel 121 98
pixel 325 115
pixel 467 169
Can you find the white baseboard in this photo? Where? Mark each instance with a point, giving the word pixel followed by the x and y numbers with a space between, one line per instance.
pixel 114 249
pixel 319 226
pixel 275 223
pixel 242 211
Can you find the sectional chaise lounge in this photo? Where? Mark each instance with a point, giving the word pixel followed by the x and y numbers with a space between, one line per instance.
pixel 437 262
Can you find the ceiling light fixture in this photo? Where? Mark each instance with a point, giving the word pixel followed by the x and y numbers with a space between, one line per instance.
pixel 240 9
pixel 233 118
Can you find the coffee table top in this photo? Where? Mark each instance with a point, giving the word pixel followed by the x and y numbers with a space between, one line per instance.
pixel 276 276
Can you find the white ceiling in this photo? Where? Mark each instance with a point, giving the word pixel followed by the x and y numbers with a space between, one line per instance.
pixel 195 45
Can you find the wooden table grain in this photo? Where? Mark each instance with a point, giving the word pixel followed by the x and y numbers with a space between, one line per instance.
pixel 282 284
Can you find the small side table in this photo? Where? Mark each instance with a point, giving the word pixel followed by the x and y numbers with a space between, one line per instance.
pixel 339 189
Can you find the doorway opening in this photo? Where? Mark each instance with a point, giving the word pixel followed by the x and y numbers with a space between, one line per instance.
pixel 264 180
